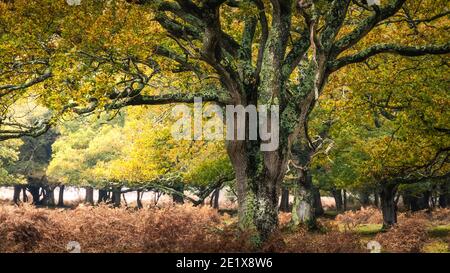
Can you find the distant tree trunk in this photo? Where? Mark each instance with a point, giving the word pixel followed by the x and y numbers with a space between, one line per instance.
pixel 317 202
pixel 376 199
pixel 433 201
pixel 284 202
pixel 444 194
pixel 138 200
pixel 337 194
pixel 49 196
pixel 425 200
pixel 102 196
pixel 417 201
pixel 388 205
pixel 89 197
pixel 124 199
pixel 16 195
pixel 365 199
pixel 61 196
pixel 24 195
pixel 34 190
pixel 443 200
pixel 214 202
pixel 116 200
pixel 345 199
pixel 178 198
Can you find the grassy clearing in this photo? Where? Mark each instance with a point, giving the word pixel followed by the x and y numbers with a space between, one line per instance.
pixel 437 246
pixel 440 231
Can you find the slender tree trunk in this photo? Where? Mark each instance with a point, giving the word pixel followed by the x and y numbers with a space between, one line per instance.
pixel 318 209
pixel 24 194
pixel 216 198
pixel 345 199
pixel 211 200
pixel 284 202
pixel 376 199
pixel 124 199
pixel 138 200
pixel 16 195
pixel 388 205
pixel 89 197
pixel 337 194
pixel 61 196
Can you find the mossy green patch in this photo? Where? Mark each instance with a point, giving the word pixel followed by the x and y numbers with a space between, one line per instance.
pixel 436 247
pixel 369 229
pixel 439 231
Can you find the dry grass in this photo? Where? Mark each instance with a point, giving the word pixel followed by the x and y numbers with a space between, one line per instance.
pixel 351 219
pixel 190 229
pixel 169 229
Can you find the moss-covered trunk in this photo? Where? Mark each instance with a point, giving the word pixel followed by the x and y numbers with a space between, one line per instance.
pixel 258 178
pixel 304 209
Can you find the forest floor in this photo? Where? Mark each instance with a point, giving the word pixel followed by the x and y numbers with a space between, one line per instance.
pixel 184 228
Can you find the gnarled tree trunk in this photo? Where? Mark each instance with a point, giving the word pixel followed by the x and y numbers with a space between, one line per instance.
pixel 258 176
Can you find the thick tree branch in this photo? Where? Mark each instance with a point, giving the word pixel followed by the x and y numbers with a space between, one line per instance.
pixel 8 88
pixel 410 51
pixel 366 26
